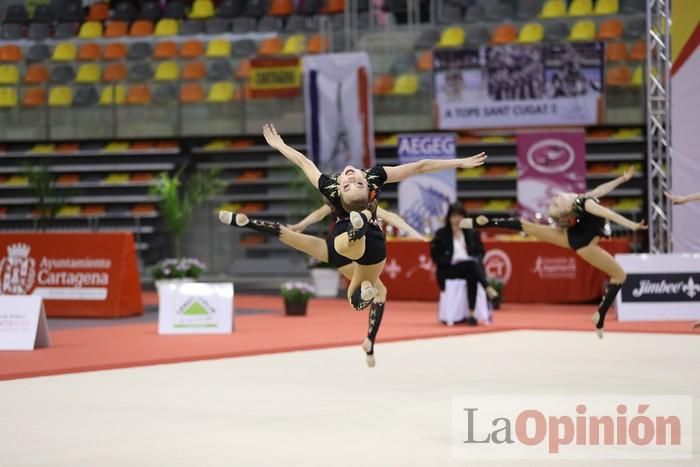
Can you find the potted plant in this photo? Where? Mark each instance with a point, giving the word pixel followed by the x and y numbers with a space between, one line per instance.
pixel 498 286
pixel 296 297
pixel 177 199
pixel 326 279
pixel 177 270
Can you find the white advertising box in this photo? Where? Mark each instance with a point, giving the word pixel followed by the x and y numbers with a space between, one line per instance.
pixel 23 324
pixel 663 287
pixel 195 308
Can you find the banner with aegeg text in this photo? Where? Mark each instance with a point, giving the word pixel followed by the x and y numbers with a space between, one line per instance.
pixel 549 163
pixel 338 107
pixel 77 274
pixel 275 77
pixel 424 199
pixel 518 85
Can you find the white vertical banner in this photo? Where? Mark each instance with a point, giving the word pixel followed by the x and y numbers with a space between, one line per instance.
pixel 195 308
pixel 424 199
pixel 685 169
pixel 338 106
pixel 23 324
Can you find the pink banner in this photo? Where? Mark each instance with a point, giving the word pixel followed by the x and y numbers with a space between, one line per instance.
pixel 549 163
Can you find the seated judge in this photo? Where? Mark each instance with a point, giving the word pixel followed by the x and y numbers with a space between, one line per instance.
pixel 458 254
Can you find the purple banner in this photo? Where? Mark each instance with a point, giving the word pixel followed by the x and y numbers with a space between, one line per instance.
pixel 549 163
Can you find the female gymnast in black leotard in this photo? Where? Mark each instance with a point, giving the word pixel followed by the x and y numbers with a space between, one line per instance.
pixel 356 237
pixel 584 219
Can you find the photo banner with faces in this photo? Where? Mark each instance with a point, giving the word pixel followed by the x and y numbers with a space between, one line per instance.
pixel 519 85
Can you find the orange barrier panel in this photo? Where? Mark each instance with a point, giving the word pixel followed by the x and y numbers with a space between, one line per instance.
pixel 79 274
pixel 532 271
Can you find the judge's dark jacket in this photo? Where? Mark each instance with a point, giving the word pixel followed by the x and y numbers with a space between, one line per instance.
pixel 442 248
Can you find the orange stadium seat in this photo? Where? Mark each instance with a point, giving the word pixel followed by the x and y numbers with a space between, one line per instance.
pixel 639 51
pixel 610 29
pixel 98 12
pixel 243 71
pixel 89 52
pixel 114 72
pixel 141 28
pixel 333 7
pixel 10 53
pixel 382 85
pixel 281 8
pixel 194 70
pixel 116 29
pixel 192 49
pixel 271 46
pixel 619 76
pixel 317 44
pixel 165 50
pixel 191 93
pixel 139 94
pixel 114 51
pixel 34 97
pixel 36 74
pixel 504 34
pixel 616 52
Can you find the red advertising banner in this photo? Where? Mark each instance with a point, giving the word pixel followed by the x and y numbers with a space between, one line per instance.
pixel 77 274
pixel 549 163
pixel 275 77
pixel 532 271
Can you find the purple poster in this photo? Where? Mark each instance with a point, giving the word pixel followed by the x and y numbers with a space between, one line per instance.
pixel 549 163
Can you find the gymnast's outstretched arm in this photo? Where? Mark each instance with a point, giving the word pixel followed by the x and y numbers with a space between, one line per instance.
pixel 676 199
pixel 315 216
pixel 304 163
pixel 398 222
pixel 404 171
pixel 601 211
pixel 605 188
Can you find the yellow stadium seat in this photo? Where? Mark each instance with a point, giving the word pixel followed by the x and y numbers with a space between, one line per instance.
pixel 167 71
pixel 68 211
pixel 202 9
pixel 638 77
pixel 60 96
pixel 294 45
pixel 17 180
pixel 218 48
pixel 606 7
pixel 553 9
pixel 531 32
pixel 88 73
pixel 64 52
pixel 583 30
pixel 9 74
pixel 406 85
pixel 90 30
pixel 116 146
pixel 166 27
pixel 113 95
pixel 220 92
pixel 452 37
pixel 581 8
pixel 43 149
pixel 8 97
pixel 116 178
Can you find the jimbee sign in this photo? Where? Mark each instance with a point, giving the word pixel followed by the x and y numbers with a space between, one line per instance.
pixel 660 287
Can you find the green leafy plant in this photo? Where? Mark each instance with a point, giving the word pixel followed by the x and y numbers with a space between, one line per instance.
pixel 49 202
pixel 297 292
pixel 497 285
pixel 178 197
